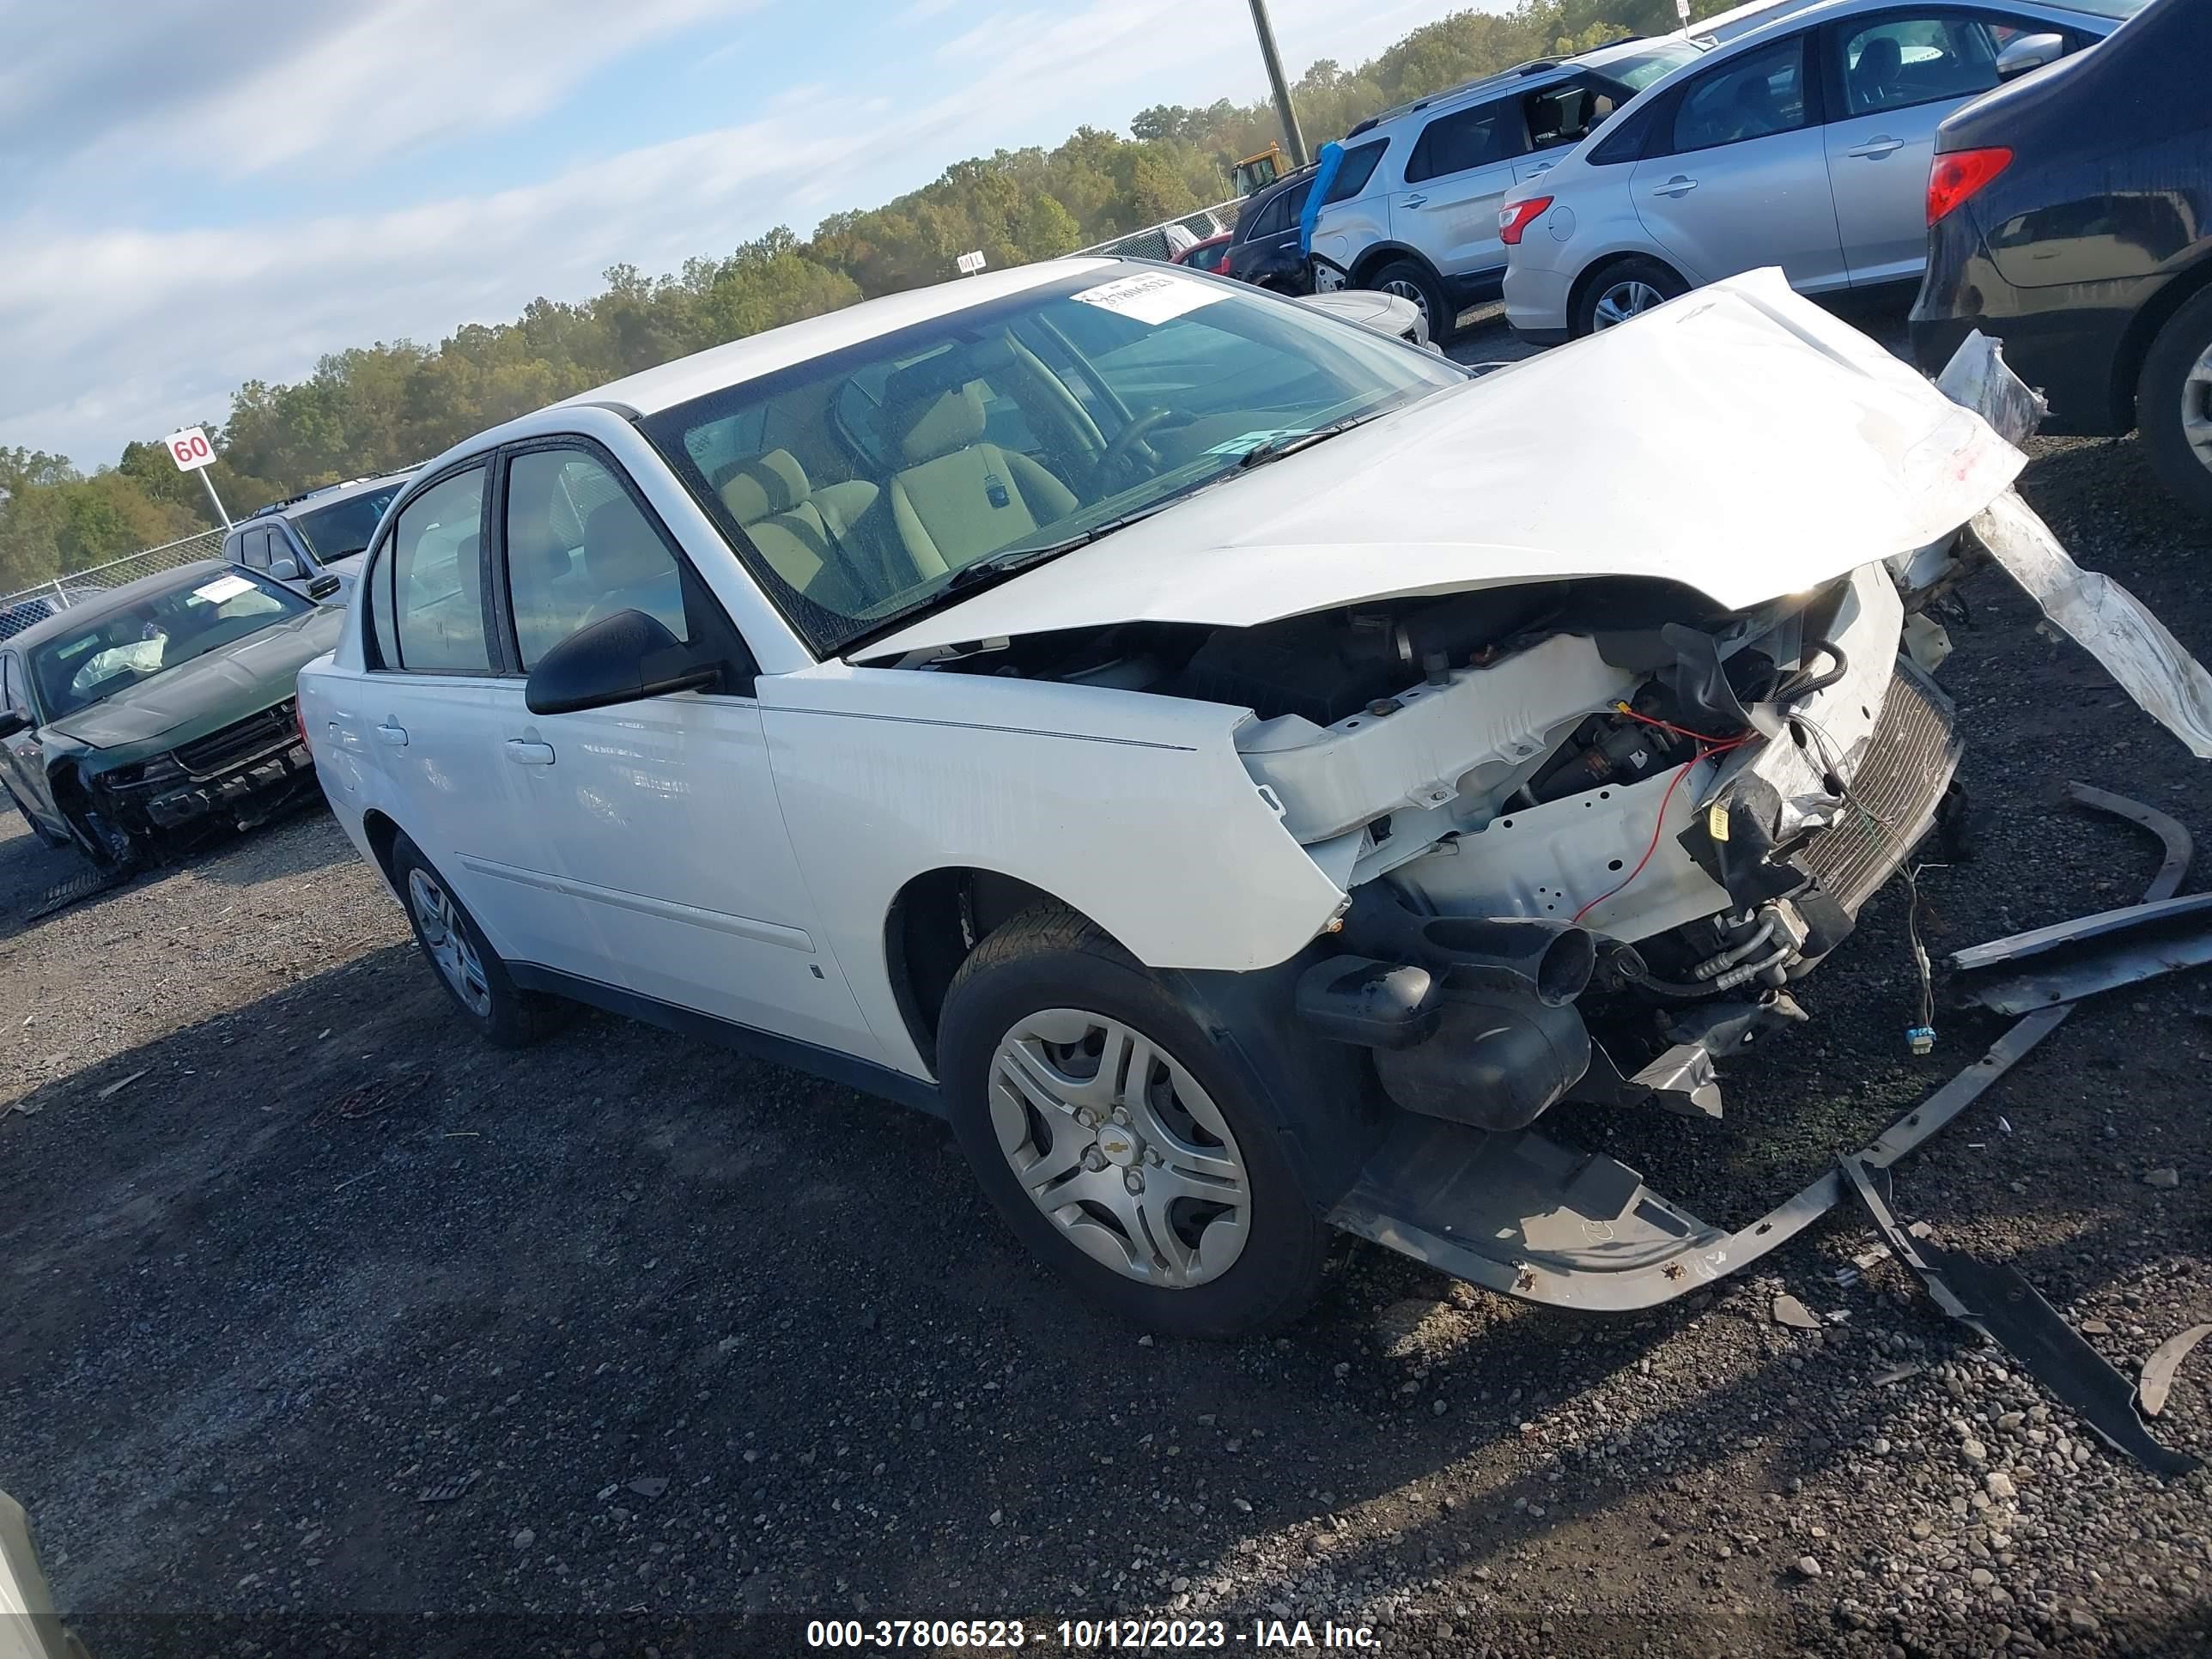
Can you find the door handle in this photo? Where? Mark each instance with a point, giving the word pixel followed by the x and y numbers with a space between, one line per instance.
pixel 394 735
pixel 1874 148
pixel 1416 200
pixel 1677 186
pixel 529 754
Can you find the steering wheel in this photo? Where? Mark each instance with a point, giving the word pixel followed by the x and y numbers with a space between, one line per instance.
pixel 1126 440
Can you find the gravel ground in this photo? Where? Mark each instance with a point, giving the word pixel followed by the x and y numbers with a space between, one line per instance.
pixel 320 1319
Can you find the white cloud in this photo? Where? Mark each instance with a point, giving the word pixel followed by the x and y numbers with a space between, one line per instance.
pixel 110 334
pixel 256 84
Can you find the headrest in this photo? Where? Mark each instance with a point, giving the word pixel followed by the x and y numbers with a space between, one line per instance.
pixel 938 426
pixel 619 550
pixel 1880 56
pixel 467 570
pixel 774 483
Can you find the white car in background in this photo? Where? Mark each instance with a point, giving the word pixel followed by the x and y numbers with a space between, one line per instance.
pixel 1804 144
pixel 1164 730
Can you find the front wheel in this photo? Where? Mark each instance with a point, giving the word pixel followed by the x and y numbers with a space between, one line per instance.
pixel 1624 290
pixel 2173 403
pixel 1117 1140
pixel 471 972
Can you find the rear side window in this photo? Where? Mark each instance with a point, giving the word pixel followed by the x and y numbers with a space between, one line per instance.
pixel 1755 95
pixel 1472 137
pixel 579 550
pixel 1352 173
pixel 436 617
pixel 1625 142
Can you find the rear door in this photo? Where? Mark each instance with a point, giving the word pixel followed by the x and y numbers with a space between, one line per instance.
pixel 431 717
pixel 1893 76
pixel 1738 177
pixel 1456 173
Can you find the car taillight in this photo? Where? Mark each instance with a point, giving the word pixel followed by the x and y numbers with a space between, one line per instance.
pixel 1221 262
pixel 1958 175
pixel 1512 221
pixel 300 724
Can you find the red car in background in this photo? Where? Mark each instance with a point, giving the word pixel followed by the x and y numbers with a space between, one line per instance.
pixel 1212 254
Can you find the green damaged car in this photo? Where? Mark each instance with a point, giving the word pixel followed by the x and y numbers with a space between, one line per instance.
pixel 139 719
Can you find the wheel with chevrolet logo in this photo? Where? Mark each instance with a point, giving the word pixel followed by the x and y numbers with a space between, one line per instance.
pixel 1117 1140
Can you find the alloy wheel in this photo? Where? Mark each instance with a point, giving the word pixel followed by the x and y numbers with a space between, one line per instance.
pixel 1625 300
pixel 447 942
pixel 1405 289
pixel 2196 407
pixel 1119 1147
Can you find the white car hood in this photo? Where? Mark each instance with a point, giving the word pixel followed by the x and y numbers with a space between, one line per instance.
pixel 1740 440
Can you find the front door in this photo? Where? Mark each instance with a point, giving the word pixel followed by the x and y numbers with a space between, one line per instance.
pixel 22 757
pixel 668 864
pixel 1900 73
pixel 1745 180
pixel 1459 170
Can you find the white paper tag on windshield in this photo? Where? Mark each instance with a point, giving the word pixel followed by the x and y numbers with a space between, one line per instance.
pixel 1152 298
pixel 222 588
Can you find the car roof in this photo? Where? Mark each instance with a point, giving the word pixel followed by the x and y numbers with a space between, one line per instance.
pixel 718 366
pixel 1536 72
pixel 113 600
pixel 327 496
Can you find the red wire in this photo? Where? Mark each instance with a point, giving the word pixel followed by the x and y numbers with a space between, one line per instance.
pixel 1660 823
pixel 1678 731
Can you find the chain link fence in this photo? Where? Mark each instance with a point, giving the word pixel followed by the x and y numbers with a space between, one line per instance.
pixel 19 610
pixel 1152 242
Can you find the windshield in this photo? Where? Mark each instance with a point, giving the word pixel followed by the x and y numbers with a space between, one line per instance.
pixel 857 486
pixel 2120 8
pixel 333 531
pixel 123 648
pixel 1639 69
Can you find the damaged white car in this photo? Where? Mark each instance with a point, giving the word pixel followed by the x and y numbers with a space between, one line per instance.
pixel 1241 769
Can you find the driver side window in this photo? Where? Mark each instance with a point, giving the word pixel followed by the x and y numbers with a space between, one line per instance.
pixel 579 550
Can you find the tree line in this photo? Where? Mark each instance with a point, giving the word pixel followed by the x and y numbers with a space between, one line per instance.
pixel 371 409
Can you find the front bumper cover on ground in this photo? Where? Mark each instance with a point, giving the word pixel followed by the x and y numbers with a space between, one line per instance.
pixel 1520 1213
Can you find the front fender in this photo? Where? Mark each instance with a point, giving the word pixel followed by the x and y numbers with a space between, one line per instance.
pixel 1136 810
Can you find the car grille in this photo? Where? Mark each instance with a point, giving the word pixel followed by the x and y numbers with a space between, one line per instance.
pixel 233 746
pixel 1899 781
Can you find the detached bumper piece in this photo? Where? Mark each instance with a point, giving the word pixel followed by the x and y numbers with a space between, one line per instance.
pixel 244 796
pixel 1518 1212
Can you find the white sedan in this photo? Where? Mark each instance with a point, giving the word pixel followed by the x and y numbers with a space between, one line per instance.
pixel 1214 753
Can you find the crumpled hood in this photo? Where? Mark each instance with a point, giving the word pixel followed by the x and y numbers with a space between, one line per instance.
pixel 242 678
pixel 1740 440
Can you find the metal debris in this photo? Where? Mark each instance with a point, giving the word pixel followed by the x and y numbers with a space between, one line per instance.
pixel 1789 1311
pixel 1898 1373
pixel 2158 1371
pixel 1997 1301
pixel 121 1084
pixel 445 1491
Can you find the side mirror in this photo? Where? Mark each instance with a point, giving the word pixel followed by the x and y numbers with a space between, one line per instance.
pixel 624 658
pixel 14 722
pixel 323 586
pixel 284 571
pixel 2029 52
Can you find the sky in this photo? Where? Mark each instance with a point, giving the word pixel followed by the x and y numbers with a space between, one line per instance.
pixel 192 196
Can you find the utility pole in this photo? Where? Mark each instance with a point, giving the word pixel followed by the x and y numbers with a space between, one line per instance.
pixel 1274 61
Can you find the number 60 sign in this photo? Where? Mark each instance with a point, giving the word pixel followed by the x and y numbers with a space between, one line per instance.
pixel 189 449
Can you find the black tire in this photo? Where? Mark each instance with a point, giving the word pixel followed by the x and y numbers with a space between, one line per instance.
pixel 1049 957
pixel 2176 385
pixel 508 1017
pixel 1419 283
pixel 44 835
pixel 1661 279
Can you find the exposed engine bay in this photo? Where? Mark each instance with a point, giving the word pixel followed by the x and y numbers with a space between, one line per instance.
pixel 1598 808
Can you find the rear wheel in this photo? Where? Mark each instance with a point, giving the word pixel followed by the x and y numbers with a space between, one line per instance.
pixel 1626 289
pixel 471 972
pixel 1410 281
pixel 2173 403
pixel 1117 1141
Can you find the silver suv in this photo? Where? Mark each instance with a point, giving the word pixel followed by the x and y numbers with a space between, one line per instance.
pixel 1415 205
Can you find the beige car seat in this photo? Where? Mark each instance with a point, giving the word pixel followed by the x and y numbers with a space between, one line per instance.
pixel 959 495
pixel 809 536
